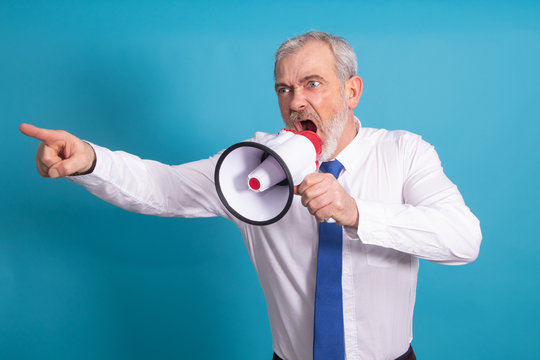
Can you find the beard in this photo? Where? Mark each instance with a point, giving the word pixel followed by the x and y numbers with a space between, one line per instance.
pixel 332 130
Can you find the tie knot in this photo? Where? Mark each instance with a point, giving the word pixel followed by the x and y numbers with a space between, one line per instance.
pixel 333 167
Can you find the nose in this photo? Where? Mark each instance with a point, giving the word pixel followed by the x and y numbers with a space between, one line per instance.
pixel 298 101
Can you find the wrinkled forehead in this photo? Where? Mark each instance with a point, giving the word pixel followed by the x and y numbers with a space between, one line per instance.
pixel 313 58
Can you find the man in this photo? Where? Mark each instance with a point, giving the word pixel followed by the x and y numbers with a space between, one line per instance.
pixel 391 201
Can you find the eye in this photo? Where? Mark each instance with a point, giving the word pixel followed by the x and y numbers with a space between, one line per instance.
pixel 282 90
pixel 314 83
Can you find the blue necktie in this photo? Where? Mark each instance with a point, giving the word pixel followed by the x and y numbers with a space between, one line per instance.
pixel 328 339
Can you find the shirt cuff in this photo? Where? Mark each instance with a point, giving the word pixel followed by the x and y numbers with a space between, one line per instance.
pixel 99 170
pixel 372 224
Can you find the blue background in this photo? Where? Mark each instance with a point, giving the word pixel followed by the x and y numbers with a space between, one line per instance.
pixel 175 82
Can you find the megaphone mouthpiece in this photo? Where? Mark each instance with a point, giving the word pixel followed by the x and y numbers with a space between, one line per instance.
pixel 315 140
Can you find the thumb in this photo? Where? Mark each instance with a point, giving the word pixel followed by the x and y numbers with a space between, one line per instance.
pixel 44 135
pixel 66 167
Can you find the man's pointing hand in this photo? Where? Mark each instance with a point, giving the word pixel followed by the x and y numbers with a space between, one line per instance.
pixel 60 153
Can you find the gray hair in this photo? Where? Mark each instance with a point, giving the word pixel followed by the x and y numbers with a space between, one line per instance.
pixel 343 52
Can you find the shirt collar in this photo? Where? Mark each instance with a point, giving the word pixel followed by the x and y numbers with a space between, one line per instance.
pixel 354 154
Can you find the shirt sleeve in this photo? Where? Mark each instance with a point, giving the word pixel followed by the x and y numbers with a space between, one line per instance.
pixel 433 221
pixel 153 188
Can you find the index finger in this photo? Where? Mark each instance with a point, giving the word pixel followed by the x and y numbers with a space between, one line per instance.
pixel 309 181
pixel 38 133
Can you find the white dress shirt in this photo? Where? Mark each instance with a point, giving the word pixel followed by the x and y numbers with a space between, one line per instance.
pixel 408 209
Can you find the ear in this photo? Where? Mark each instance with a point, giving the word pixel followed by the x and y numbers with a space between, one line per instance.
pixel 353 89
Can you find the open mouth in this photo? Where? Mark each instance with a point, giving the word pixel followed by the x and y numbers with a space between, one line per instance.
pixel 307 125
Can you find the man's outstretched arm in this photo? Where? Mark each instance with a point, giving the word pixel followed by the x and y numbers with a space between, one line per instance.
pixel 127 181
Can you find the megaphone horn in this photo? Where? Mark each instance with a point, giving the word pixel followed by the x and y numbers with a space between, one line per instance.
pixel 255 181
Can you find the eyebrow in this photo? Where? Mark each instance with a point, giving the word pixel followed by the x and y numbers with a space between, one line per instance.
pixel 304 79
pixel 313 77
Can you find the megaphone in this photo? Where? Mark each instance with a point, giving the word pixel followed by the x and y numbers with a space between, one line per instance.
pixel 255 181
